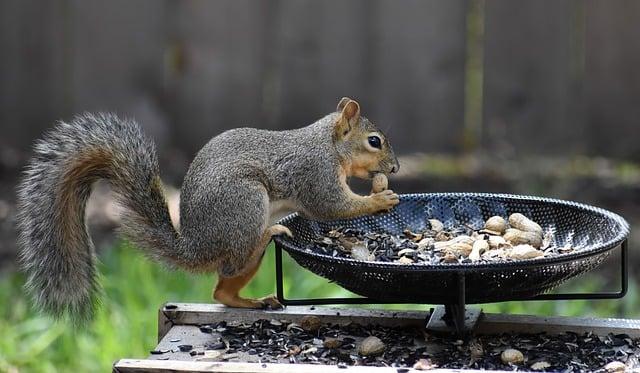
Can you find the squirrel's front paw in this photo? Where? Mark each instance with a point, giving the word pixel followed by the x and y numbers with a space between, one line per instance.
pixel 279 229
pixel 385 200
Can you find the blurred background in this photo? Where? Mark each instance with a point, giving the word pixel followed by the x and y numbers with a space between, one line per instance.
pixel 528 97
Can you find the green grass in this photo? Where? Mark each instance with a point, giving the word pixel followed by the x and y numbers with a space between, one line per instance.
pixel 125 325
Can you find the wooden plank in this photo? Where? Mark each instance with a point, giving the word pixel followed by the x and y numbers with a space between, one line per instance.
pixel 202 313
pixel 531 89
pixel 185 334
pixel 197 313
pixel 612 82
pixel 504 323
pixel 164 324
pixel 136 365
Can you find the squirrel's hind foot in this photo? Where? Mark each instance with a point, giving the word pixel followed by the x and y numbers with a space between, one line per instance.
pixel 269 302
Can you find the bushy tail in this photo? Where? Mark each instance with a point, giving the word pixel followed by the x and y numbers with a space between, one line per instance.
pixel 56 251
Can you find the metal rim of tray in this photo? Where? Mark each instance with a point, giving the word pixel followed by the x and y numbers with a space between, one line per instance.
pixel 621 235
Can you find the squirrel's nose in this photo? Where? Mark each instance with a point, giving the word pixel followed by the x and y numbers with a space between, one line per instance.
pixel 395 168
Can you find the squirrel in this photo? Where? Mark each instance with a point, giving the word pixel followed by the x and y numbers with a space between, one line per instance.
pixel 224 202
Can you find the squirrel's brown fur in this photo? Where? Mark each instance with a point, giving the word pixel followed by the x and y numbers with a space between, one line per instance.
pixel 224 204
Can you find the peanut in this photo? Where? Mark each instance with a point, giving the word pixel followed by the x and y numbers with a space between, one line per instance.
pixel 518 237
pixel 521 222
pixel 379 183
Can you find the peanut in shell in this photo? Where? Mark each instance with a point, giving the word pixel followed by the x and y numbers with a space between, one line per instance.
pixel 496 224
pixel 521 222
pixel 496 242
pixel 371 346
pixel 518 237
pixel 457 248
pixel 525 252
pixel 479 247
pixel 512 356
pixel 436 225
pixel 379 183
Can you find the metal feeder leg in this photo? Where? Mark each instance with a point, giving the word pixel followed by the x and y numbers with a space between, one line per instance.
pixel 454 315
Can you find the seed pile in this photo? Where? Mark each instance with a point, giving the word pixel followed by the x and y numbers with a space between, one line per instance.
pixel 500 239
pixel 313 342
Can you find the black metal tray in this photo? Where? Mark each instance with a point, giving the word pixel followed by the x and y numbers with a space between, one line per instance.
pixel 592 231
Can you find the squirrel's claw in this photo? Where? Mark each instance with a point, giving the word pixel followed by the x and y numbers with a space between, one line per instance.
pixel 271 303
pixel 279 229
pixel 385 200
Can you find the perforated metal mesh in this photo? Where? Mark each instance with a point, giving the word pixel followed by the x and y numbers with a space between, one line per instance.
pixel 591 231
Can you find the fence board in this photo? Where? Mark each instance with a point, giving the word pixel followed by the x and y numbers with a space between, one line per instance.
pixel 559 75
pixel 319 54
pixel 530 90
pixel 218 83
pixel 359 48
pixel 612 82
pixel 31 68
pixel 116 60
pixel 418 73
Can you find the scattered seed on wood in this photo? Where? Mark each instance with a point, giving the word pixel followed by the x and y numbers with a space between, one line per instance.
pixel 332 343
pixel 540 365
pixel 262 342
pixel 275 322
pixel 475 349
pixel 209 355
pixel 371 346
pixel 424 364
pixel 206 329
pixel 310 323
pixel 511 356
pixel 615 367
pixel 215 346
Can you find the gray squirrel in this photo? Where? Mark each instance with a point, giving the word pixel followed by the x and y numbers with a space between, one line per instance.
pixel 224 203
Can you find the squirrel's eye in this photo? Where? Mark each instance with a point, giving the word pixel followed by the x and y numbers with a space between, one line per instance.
pixel 375 142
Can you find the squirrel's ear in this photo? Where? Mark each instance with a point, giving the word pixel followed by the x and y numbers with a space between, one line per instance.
pixel 351 111
pixel 342 103
pixel 348 117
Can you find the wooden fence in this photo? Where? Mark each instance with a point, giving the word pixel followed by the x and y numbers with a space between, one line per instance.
pixel 521 77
